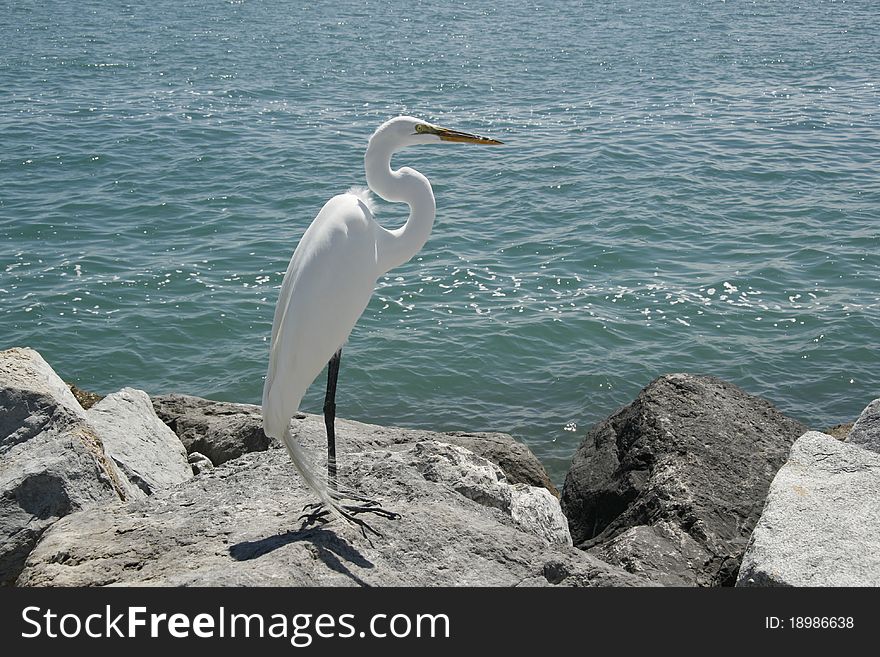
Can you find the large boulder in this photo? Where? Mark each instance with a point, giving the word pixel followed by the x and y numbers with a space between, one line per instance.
pixel 225 430
pixel 239 524
pixel 866 430
pixel 52 462
pixel 683 470
pixel 821 523
pixel 149 454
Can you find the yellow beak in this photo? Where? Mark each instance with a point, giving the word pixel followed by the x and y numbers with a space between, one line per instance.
pixel 463 137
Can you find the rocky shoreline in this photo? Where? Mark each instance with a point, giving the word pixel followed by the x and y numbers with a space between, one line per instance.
pixel 695 483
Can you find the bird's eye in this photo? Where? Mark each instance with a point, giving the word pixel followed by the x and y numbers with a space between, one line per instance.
pixel 421 128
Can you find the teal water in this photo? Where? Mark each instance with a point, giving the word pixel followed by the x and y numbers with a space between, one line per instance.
pixel 685 186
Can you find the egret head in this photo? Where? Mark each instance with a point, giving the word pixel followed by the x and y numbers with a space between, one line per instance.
pixel 408 131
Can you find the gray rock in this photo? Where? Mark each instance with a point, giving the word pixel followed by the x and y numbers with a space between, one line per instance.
pixel 219 430
pixel 239 525
pixel 514 458
pixel 149 454
pixel 31 396
pixel 536 509
pixel 517 461
pixel 200 463
pixel 658 552
pixel 821 523
pixel 568 569
pixel 692 452
pixel 224 430
pixel 532 509
pixel 51 460
pixel 866 430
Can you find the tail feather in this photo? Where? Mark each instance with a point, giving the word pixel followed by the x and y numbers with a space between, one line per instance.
pixel 319 484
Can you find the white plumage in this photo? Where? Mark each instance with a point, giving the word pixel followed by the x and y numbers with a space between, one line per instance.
pixel 323 300
pixel 332 274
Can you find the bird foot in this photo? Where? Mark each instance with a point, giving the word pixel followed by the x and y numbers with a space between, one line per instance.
pixel 318 513
pixel 313 514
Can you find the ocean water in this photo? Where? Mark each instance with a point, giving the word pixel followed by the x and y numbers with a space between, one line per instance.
pixel 685 186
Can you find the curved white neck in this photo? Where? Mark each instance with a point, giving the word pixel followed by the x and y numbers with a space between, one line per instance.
pixel 395 247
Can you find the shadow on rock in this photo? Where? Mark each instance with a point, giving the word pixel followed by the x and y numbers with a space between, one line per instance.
pixel 332 550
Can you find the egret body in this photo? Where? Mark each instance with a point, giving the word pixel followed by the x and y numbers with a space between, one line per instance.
pixel 328 284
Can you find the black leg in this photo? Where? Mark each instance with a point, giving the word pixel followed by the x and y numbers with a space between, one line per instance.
pixel 317 513
pixel 330 416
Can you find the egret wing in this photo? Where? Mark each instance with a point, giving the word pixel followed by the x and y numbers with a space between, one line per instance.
pixel 327 286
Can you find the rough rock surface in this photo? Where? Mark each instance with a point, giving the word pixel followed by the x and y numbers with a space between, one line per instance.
pixel 657 551
pixel 51 460
pixel 691 452
pixel 238 525
pixel 225 430
pixel 517 461
pixel 866 430
pixel 531 508
pixel 143 447
pixel 819 526
pixel 31 395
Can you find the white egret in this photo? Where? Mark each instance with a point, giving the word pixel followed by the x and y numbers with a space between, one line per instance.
pixel 328 284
